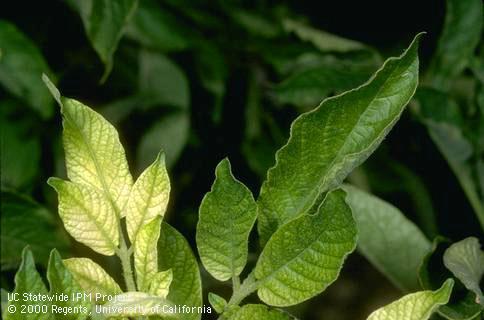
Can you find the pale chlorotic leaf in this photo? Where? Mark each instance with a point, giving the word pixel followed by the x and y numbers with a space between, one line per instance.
pixel 21 68
pixel 226 216
pixel 28 281
pixel 415 306
pixel 157 28
pixel 322 40
pixel 259 311
pixel 162 80
pixel 170 133
pixel 458 41
pixel 62 281
pixel 465 260
pixel 25 222
pixel 146 255
pixel 149 197
pixel 217 302
pixel 87 215
pixel 391 242
pixel 160 283
pixel 326 144
pixel 92 278
pixel 305 255
pixel 175 254
pixel 94 154
pixel 104 22
pixel 132 304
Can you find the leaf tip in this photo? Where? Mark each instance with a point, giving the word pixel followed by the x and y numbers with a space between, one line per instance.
pixel 52 88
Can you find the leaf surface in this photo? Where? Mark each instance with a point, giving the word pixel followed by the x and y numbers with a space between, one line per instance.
pixel 217 302
pixel 149 197
pixel 160 284
pixel 306 255
pixel 392 243
pixel 259 311
pixel 226 216
pixel 92 278
pixel 87 215
pixel 146 254
pixel 330 141
pixel 176 254
pixel 28 280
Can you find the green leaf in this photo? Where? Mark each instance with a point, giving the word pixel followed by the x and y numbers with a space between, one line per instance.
pixel 62 281
pixel 104 22
pixel 169 134
pixel 145 254
pixel 21 66
pixel 157 28
pixel 391 242
pixel 226 216
pixel 415 306
pixel 459 38
pixel 132 304
pixel 329 142
pixel 305 255
pixel 94 154
pixel 322 40
pixel 162 80
pixel 259 311
pixel 28 281
pixel 466 261
pixel 25 222
pixel 175 254
pixel 160 283
pixel 432 273
pixel 92 278
pixel 87 215
pixel 149 197
pixel 217 302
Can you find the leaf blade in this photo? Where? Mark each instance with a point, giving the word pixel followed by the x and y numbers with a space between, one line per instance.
pixel 146 254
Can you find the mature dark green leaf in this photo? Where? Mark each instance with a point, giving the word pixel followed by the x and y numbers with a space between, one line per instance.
pixel 305 255
pixel 169 134
pixel 462 305
pixel 176 254
pixel 259 311
pixel 25 222
pixel 21 66
pixel 62 281
pixel 327 143
pixel 157 28
pixel 226 216
pixel 459 38
pixel 104 22
pixel 162 80
pixel 28 281
pixel 256 23
pixel 391 242
pixel 465 260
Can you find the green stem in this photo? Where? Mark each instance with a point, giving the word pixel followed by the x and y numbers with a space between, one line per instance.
pixel 124 255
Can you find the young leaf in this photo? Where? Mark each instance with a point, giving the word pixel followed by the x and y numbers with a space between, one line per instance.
pixel 104 22
pixel 330 141
pixel 21 66
pixel 227 214
pixel 160 284
pixel 28 280
pixel 175 254
pixel 391 242
pixel 415 306
pixel 146 255
pixel 132 304
pixel 305 255
pixel 466 261
pixel 92 278
pixel 217 302
pixel 149 197
pixel 94 155
pixel 87 215
pixel 259 311
pixel 459 38
pixel 62 282
pixel 25 222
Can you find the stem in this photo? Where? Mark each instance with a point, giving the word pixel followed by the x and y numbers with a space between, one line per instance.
pixel 124 255
pixel 245 289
